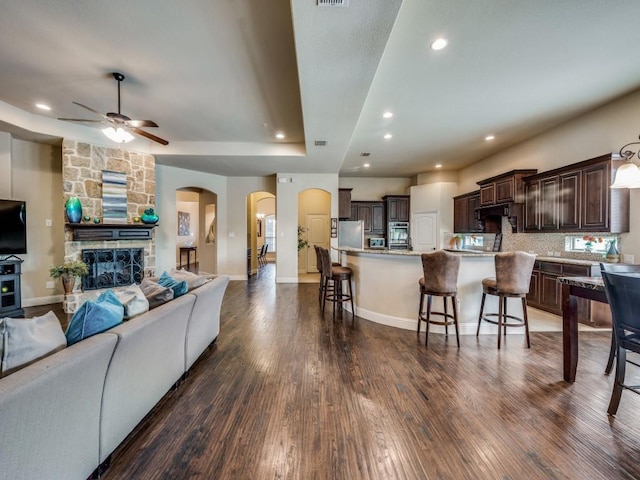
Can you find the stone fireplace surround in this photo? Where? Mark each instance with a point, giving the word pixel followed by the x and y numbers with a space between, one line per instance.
pixel 82 166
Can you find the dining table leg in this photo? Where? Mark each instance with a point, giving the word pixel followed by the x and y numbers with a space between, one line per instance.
pixel 569 333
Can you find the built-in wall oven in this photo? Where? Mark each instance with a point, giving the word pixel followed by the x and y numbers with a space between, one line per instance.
pixel 398 235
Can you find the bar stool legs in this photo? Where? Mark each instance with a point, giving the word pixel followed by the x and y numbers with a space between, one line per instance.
pixel 448 318
pixel 503 317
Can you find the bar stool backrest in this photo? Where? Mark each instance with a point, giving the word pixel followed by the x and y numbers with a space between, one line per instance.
pixel 513 272
pixel 440 270
pixel 325 260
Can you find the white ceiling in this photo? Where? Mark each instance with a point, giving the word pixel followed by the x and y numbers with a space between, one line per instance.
pixel 220 77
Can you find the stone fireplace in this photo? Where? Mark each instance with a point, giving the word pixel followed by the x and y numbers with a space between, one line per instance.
pixel 82 167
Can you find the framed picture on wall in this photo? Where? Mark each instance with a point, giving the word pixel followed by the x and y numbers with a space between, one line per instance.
pixel 184 224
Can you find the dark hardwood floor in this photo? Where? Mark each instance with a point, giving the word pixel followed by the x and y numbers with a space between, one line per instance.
pixel 289 394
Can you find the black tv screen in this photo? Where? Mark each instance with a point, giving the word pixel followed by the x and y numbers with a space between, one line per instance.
pixel 13 227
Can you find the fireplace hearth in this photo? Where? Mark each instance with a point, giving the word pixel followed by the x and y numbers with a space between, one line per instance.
pixel 112 267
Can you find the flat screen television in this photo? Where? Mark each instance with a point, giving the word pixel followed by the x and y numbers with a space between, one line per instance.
pixel 13 227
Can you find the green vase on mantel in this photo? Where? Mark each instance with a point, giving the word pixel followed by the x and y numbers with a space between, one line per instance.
pixel 149 217
pixel 73 207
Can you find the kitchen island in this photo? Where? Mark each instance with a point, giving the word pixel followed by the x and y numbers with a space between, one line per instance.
pixel 387 292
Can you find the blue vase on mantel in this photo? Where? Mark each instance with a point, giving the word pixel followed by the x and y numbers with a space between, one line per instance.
pixel 73 207
pixel 149 217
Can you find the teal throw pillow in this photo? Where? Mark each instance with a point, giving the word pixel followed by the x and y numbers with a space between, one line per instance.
pixel 179 288
pixel 95 316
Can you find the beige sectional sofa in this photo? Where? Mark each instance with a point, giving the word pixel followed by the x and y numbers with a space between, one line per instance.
pixel 62 416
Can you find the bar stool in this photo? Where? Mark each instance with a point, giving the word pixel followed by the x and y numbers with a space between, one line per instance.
pixel 513 276
pixel 333 291
pixel 440 270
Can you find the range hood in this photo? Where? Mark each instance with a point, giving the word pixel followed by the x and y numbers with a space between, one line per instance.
pixel 491 217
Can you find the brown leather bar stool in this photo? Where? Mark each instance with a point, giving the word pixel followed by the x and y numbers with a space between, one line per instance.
pixel 440 270
pixel 513 276
pixel 333 283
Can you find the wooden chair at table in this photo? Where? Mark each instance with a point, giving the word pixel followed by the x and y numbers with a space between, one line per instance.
pixel 262 256
pixel 616 268
pixel 623 294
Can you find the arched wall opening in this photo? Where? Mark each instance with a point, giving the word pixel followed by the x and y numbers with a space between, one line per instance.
pixel 261 217
pixel 314 220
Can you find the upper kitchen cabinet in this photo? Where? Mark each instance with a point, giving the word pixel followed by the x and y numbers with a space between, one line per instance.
pixel 397 207
pixel 371 214
pixel 505 188
pixel 465 219
pixel 577 197
pixel 344 203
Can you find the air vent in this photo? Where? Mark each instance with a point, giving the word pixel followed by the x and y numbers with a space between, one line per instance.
pixel 365 154
pixel 333 3
pixel 321 143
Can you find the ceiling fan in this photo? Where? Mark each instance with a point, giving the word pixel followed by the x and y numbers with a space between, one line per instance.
pixel 119 121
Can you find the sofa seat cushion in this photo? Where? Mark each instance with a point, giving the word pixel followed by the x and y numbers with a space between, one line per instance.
pixel 179 287
pixel 25 340
pixel 155 293
pixel 95 316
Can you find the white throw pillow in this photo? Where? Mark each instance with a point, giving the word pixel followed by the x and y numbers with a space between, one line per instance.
pixel 25 340
pixel 133 301
pixel 193 280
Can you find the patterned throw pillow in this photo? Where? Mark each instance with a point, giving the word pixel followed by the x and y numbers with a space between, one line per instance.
pixel 155 293
pixel 95 316
pixel 193 280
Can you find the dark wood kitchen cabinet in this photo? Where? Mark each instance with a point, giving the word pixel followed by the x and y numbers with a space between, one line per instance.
pixel 371 214
pixel 344 203
pixel 545 292
pixel 465 218
pixel 577 198
pixel 505 188
pixel 397 207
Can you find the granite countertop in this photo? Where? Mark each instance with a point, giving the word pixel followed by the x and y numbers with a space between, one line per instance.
pixel 570 261
pixel 408 253
pixel 593 283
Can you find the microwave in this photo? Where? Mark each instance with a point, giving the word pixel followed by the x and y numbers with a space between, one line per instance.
pixel 376 243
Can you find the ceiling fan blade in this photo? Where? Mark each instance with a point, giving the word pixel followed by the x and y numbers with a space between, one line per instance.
pixel 141 123
pixel 80 120
pixel 150 136
pixel 94 111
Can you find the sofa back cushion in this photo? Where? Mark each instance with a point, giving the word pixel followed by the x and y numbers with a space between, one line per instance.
pixel 95 316
pixel 25 340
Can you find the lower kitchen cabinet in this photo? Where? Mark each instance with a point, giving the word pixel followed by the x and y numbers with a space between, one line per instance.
pixel 545 292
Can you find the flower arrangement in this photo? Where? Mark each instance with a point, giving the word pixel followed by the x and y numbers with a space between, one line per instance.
pixel 589 240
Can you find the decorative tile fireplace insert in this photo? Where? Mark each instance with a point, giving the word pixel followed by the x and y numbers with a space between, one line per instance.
pixel 112 267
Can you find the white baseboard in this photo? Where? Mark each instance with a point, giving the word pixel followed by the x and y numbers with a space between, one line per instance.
pixel 37 301
pixel 286 279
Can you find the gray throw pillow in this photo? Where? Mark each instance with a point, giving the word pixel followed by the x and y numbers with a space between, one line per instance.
pixel 133 300
pixel 155 293
pixel 25 340
pixel 193 280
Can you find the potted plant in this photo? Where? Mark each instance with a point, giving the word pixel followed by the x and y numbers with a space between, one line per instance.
pixel 68 273
pixel 302 242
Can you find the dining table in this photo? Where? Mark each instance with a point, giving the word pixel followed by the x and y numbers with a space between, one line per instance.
pixel 591 288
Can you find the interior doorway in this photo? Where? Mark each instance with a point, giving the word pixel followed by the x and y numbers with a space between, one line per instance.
pixel 261 231
pixel 314 212
pixel 196 246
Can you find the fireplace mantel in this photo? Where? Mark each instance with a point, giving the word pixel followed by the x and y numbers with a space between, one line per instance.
pixel 102 231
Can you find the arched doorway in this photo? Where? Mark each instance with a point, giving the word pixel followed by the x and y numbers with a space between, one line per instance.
pixel 196 235
pixel 314 218
pixel 261 230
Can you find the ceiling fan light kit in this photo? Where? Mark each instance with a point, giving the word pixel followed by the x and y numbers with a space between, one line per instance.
pixel 119 135
pixel 120 128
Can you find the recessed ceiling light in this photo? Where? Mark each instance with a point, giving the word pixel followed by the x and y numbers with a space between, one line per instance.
pixel 438 165
pixel 387 114
pixel 387 136
pixel 439 44
pixel 366 165
pixel 42 106
pixel 280 135
pixel 488 138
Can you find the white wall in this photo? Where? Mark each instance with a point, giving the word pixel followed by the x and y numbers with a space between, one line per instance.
pixel 5 166
pixel 373 188
pixel 601 131
pixel 435 197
